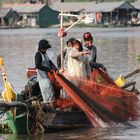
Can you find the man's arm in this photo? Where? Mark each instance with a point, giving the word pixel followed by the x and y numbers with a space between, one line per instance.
pixel 38 61
pixel 93 54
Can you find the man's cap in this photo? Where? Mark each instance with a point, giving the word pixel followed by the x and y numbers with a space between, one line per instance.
pixel 87 36
pixel 44 44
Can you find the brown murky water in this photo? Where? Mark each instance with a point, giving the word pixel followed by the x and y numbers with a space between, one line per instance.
pixel 117 50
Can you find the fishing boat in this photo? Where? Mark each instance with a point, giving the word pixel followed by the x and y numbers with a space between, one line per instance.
pixel 98 102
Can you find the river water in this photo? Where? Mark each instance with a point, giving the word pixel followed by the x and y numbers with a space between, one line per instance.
pixel 117 50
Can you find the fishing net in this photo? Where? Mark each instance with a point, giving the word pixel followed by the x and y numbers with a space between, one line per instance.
pixel 121 103
pixel 80 99
pixel 101 99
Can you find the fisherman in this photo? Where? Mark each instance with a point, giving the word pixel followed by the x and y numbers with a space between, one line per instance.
pixel 44 65
pixel 88 39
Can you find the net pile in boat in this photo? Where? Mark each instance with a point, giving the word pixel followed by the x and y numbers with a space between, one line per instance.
pixel 104 103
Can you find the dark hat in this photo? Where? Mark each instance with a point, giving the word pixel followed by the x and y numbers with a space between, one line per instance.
pixel 43 44
pixel 87 36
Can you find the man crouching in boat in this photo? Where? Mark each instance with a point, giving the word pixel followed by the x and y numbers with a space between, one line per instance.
pixel 44 65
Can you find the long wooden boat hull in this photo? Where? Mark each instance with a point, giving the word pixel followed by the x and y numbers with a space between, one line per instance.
pixel 54 120
pixel 65 120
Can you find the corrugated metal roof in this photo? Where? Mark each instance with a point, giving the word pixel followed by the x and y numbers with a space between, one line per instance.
pixel 25 8
pixel 90 6
pixel 136 4
pixel 4 11
pixel 109 6
pixel 70 6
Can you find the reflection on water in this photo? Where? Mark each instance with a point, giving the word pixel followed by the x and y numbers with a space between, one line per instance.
pixel 117 50
pixel 83 134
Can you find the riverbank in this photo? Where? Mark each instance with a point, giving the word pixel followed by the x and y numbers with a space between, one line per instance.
pixel 80 25
pixel 93 25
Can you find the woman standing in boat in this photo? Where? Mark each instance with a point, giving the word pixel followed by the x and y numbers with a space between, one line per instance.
pixel 89 45
pixel 44 65
pixel 65 52
pixel 77 61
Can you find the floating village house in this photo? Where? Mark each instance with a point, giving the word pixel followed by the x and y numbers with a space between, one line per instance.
pixel 8 17
pixel 75 8
pixel 137 6
pixel 112 12
pixel 105 12
pixel 34 15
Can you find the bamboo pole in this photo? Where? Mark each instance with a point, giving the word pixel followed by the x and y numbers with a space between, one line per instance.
pixel 62 38
pixel 62 43
pixel 74 23
pixel 71 15
pixel 136 71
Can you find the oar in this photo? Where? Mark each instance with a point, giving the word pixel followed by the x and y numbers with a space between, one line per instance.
pixel 8 94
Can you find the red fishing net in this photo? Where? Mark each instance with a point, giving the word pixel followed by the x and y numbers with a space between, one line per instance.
pixel 101 100
pixel 121 103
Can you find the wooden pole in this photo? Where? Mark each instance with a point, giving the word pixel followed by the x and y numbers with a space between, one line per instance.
pixel 62 38
pixel 74 23
pixel 62 42
pixel 136 71
pixel 62 46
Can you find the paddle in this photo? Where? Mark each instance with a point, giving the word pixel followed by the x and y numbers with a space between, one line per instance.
pixel 8 94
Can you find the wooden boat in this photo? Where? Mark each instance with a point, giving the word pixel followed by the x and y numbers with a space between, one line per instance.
pixel 25 123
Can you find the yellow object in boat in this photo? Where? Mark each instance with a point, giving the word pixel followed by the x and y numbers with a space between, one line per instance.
pixel 120 81
pixel 8 94
pixel 1 61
